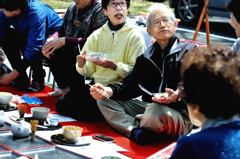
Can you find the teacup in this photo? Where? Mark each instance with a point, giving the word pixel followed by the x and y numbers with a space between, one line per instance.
pixel 72 133
pixel 53 121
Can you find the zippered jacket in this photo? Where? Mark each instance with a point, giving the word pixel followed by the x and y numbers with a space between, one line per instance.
pixel 147 73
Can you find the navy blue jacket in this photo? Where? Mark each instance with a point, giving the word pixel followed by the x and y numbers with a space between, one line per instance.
pixel 216 142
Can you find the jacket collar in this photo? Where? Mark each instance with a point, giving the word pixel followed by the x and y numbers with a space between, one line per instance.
pixel 126 26
pixel 220 121
pixel 175 47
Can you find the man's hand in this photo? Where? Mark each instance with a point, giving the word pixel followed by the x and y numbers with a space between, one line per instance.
pixel 166 98
pixel 98 91
pixel 51 45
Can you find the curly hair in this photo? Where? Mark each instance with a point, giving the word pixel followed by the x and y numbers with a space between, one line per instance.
pixel 211 80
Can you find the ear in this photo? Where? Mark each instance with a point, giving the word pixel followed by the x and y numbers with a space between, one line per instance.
pixel 17 11
pixel 149 31
pixel 105 12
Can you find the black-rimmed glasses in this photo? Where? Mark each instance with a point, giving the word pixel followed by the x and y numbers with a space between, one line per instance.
pixel 115 4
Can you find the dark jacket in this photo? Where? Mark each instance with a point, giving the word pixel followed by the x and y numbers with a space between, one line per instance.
pixel 154 77
pixel 80 23
pixel 215 142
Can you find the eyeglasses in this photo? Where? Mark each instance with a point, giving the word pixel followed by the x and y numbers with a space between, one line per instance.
pixel 159 22
pixel 115 4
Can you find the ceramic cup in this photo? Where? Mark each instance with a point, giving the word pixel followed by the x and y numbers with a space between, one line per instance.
pixel 53 121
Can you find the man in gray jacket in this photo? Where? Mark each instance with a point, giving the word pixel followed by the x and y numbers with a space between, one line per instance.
pixel 157 70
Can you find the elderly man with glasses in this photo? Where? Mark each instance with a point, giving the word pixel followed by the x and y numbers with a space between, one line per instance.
pixel 159 114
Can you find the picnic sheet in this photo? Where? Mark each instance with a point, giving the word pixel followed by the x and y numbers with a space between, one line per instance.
pixel 122 147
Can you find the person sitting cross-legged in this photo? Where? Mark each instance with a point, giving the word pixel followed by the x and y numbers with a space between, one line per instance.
pixel 120 43
pixel 158 115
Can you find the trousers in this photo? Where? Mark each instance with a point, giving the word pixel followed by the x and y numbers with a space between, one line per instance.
pixel 122 116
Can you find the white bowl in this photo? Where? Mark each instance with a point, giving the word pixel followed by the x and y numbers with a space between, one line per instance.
pixel 40 113
pixel 72 133
pixel 5 97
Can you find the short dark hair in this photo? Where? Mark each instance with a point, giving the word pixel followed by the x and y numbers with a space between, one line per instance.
pixel 210 78
pixel 106 2
pixel 234 7
pixel 12 5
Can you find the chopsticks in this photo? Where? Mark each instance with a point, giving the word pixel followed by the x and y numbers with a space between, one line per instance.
pixel 102 93
pixel 40 126
pixel 79 49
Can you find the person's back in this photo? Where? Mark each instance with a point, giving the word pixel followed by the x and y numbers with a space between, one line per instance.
pixel 216 142
pixel 211 87
pixel 24 28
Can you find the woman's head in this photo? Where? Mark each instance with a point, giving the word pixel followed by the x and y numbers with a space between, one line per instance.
pixel 211 81
pixel 116 10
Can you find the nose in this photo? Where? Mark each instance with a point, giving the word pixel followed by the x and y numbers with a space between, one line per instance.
pixel 118 6
pixel 162 24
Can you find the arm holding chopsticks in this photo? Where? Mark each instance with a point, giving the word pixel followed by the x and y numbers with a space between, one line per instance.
pixel 98 91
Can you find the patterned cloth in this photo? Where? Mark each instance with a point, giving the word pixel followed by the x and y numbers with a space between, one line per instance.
pixel 80 23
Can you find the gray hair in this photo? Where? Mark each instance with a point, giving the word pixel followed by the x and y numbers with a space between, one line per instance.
pixel 162 7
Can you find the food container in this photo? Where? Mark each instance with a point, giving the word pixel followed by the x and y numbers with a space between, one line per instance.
pixel 5 97
pixel 40 113
pixel 72 133
pixel 21 129
pixel 53 121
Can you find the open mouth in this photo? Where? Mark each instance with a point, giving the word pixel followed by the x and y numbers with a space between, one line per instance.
pixel 119 16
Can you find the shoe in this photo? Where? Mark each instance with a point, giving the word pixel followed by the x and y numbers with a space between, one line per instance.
pixel 21 82
pixel 35 86
pixel 142 136
pixel 24 88
pixel 59 91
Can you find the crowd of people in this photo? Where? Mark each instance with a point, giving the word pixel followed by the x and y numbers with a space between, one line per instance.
pixel 148 94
